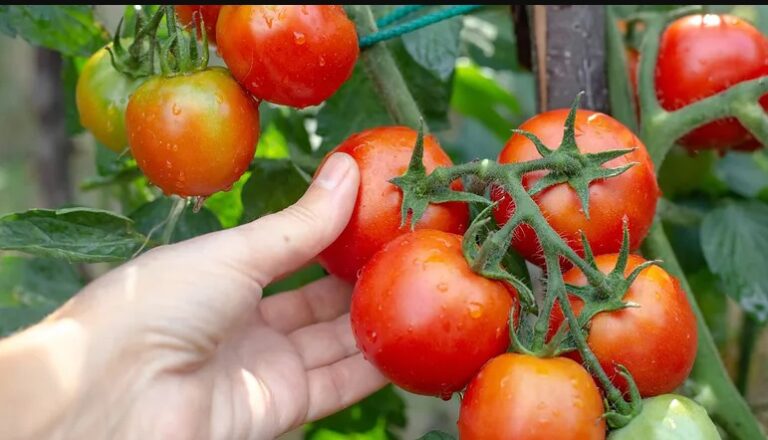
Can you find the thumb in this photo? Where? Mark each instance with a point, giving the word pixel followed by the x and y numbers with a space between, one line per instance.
pixel 283 242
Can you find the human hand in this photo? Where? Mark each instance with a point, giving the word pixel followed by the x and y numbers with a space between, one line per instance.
pixel 178 343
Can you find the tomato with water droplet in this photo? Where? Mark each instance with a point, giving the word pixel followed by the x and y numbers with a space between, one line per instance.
pixel 192 134
pixel 288 54
pixel 437 322
pixel 523 397
pixel 655 339
pixel 632 194
pixel 381 154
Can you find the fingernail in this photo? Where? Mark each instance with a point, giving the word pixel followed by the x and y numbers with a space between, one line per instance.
pixel 335 168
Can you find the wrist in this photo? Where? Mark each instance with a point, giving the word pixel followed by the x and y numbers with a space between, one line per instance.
pixel 41 370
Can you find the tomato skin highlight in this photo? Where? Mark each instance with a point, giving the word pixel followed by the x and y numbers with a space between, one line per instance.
pixel 208 13
pixel 701 55
pixel 633 193
pixel 656 341
pixel 193 134
pixel 291 55
pixel 523 397
pixel 424 319
pixel 381 154
pixel 101 96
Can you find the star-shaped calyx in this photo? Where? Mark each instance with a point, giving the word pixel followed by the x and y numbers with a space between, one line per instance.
pixel 571 166
pixel 420 189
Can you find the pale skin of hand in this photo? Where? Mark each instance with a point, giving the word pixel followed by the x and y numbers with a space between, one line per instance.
pixel 179 344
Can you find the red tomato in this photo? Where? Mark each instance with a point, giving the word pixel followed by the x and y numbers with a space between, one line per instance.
pixel 632 194
pixel 701 55
pixel 424 318
pixel 291 55
pixel 208 13
pixel 523 397
pixel 382 154
pixel 655 341
pixel 194 134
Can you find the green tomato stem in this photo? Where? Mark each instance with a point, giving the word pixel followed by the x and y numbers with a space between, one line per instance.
pixel 750 331
pixel 718 394
pixel 383 71
pixel 173 219
pixel 660 130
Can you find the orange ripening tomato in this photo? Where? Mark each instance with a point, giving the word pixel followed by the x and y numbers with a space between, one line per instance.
pixel 193 134
pixel 523 397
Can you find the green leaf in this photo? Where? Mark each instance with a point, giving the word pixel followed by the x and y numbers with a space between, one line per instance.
pixel 274 185
pixel 69 73
pixel 435 47
pixel 75 234
pixel 112 168
pixel 431 92
pixel 479 96
pixel 745 173
pixel 376 416
pixel 437 435
pixel 735 244
pixel 356 106
pixel 489 39
pixel 71 30
pixel 151 218
pixel 620 90
pixel 31 288
pixel 228 205
pixel 353 108
pixel 683 174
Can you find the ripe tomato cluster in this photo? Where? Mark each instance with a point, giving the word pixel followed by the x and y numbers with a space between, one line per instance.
pixel 194 132
pixel 420 312
pixel 433 326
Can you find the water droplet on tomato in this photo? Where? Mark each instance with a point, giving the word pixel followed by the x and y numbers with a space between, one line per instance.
pixel 168 164
pixel 321 61
pixel 446 395
pixel 373 336
pixel 299 38
pixel 175 147
pixel 176 109
pixel 475 310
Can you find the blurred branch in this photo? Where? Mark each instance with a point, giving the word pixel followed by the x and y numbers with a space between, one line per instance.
pixel 569 55
pixel 55 148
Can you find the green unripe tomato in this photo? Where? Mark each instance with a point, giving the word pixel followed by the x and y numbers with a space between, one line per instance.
pixel 669 417
pixel 101 95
